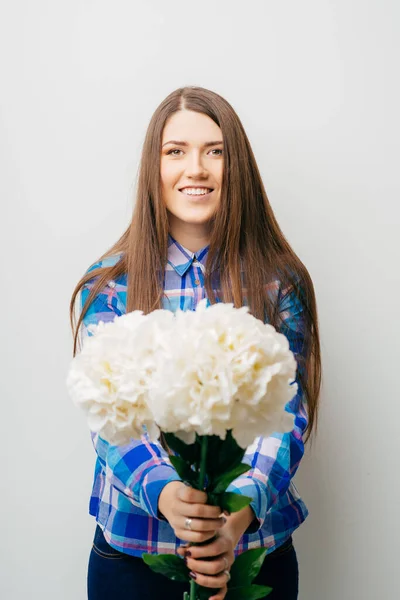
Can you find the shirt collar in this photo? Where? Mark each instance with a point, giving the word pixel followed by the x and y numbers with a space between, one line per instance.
pixel 181 258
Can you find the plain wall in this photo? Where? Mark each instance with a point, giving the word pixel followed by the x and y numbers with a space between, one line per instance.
pixel 316 86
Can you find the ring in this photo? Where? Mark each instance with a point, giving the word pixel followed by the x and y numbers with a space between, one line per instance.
pixel 228 575
pixel 188 523
pixel 226 562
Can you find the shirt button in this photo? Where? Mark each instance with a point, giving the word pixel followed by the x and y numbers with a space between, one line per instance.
pixel 197 281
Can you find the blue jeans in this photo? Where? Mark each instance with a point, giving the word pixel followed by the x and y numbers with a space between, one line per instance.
pixel 114 575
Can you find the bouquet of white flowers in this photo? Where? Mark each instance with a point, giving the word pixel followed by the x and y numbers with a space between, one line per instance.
pixel 211 380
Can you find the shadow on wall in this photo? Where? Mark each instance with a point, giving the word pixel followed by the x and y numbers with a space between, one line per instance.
pixel 316 540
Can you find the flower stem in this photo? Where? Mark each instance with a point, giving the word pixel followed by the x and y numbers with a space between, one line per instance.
pixel 202 477
pixel 193 595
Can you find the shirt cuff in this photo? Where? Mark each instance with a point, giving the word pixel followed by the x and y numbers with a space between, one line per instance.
pixel 154 482
pixel 247 486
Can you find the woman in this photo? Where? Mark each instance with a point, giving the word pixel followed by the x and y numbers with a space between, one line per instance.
pixel 202 227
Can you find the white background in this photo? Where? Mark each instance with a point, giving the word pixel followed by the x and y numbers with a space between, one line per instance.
pixel 316 84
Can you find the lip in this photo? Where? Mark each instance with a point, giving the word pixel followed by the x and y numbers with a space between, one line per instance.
pixel 199 198
pixel 201 187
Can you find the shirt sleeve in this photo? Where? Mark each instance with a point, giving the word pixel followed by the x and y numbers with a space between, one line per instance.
pixel 140 469
pixel 274 459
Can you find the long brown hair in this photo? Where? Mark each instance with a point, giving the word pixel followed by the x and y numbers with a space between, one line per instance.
pixel 245 235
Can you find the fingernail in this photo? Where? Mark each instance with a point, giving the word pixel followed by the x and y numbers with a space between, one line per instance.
pixel 188 553
pixel 227 513
pixel 193 575
pixel 224 519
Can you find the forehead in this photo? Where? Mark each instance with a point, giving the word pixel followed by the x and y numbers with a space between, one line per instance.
pixel 190 126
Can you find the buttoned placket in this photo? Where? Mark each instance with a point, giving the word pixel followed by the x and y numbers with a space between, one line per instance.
pixel 197 287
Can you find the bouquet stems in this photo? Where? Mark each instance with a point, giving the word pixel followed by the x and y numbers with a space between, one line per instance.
pixel 202 476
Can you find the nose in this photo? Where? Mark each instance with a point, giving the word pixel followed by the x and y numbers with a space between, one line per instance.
pixel 195 166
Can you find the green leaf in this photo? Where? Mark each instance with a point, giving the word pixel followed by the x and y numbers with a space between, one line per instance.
pixel 189 452
pixel 222 455
pixel 221 483
pixel 184 470
pixel 247 566
pixel 229 501
pixel 170 565
pixel 249 592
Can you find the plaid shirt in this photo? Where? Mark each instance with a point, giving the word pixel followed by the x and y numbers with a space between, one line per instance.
pixel 128 479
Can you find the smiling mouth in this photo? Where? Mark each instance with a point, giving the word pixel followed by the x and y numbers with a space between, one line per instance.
pixel 196 191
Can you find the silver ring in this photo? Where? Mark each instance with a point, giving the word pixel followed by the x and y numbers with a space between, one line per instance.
pixel 228 575
pixel 188 523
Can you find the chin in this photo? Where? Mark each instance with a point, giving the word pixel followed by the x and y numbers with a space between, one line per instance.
pixel 192 216
pixel 195 221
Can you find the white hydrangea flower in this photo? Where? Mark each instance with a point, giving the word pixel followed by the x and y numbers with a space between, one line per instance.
pixel 110 378
pixel 224 369
pixel 205 371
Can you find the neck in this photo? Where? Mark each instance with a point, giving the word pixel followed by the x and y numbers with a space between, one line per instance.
pixel 190 236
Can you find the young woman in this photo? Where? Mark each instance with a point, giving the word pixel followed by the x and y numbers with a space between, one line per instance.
pixel 202 226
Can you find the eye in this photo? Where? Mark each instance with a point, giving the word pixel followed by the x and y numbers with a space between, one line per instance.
pixel 174 150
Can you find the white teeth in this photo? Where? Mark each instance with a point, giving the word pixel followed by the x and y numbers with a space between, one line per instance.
pixel 196 191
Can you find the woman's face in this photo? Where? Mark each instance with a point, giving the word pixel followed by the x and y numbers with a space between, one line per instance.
pixel 191 164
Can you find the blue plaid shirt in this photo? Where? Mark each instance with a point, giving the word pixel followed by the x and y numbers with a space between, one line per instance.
pixel 128 479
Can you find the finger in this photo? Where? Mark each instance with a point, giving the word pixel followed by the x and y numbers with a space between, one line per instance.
pixel 219 546
pixel 204 524
pixel 194 536
pixel 189 494
pixel 182 549
pixel 209 567
pixel 221 594
pixel 200 511
pixel 217 581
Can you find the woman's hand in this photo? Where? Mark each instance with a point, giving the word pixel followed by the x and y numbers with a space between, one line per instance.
pixel 178 501
pixel 210 573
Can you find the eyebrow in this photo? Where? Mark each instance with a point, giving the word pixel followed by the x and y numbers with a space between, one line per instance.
pixel 180 143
